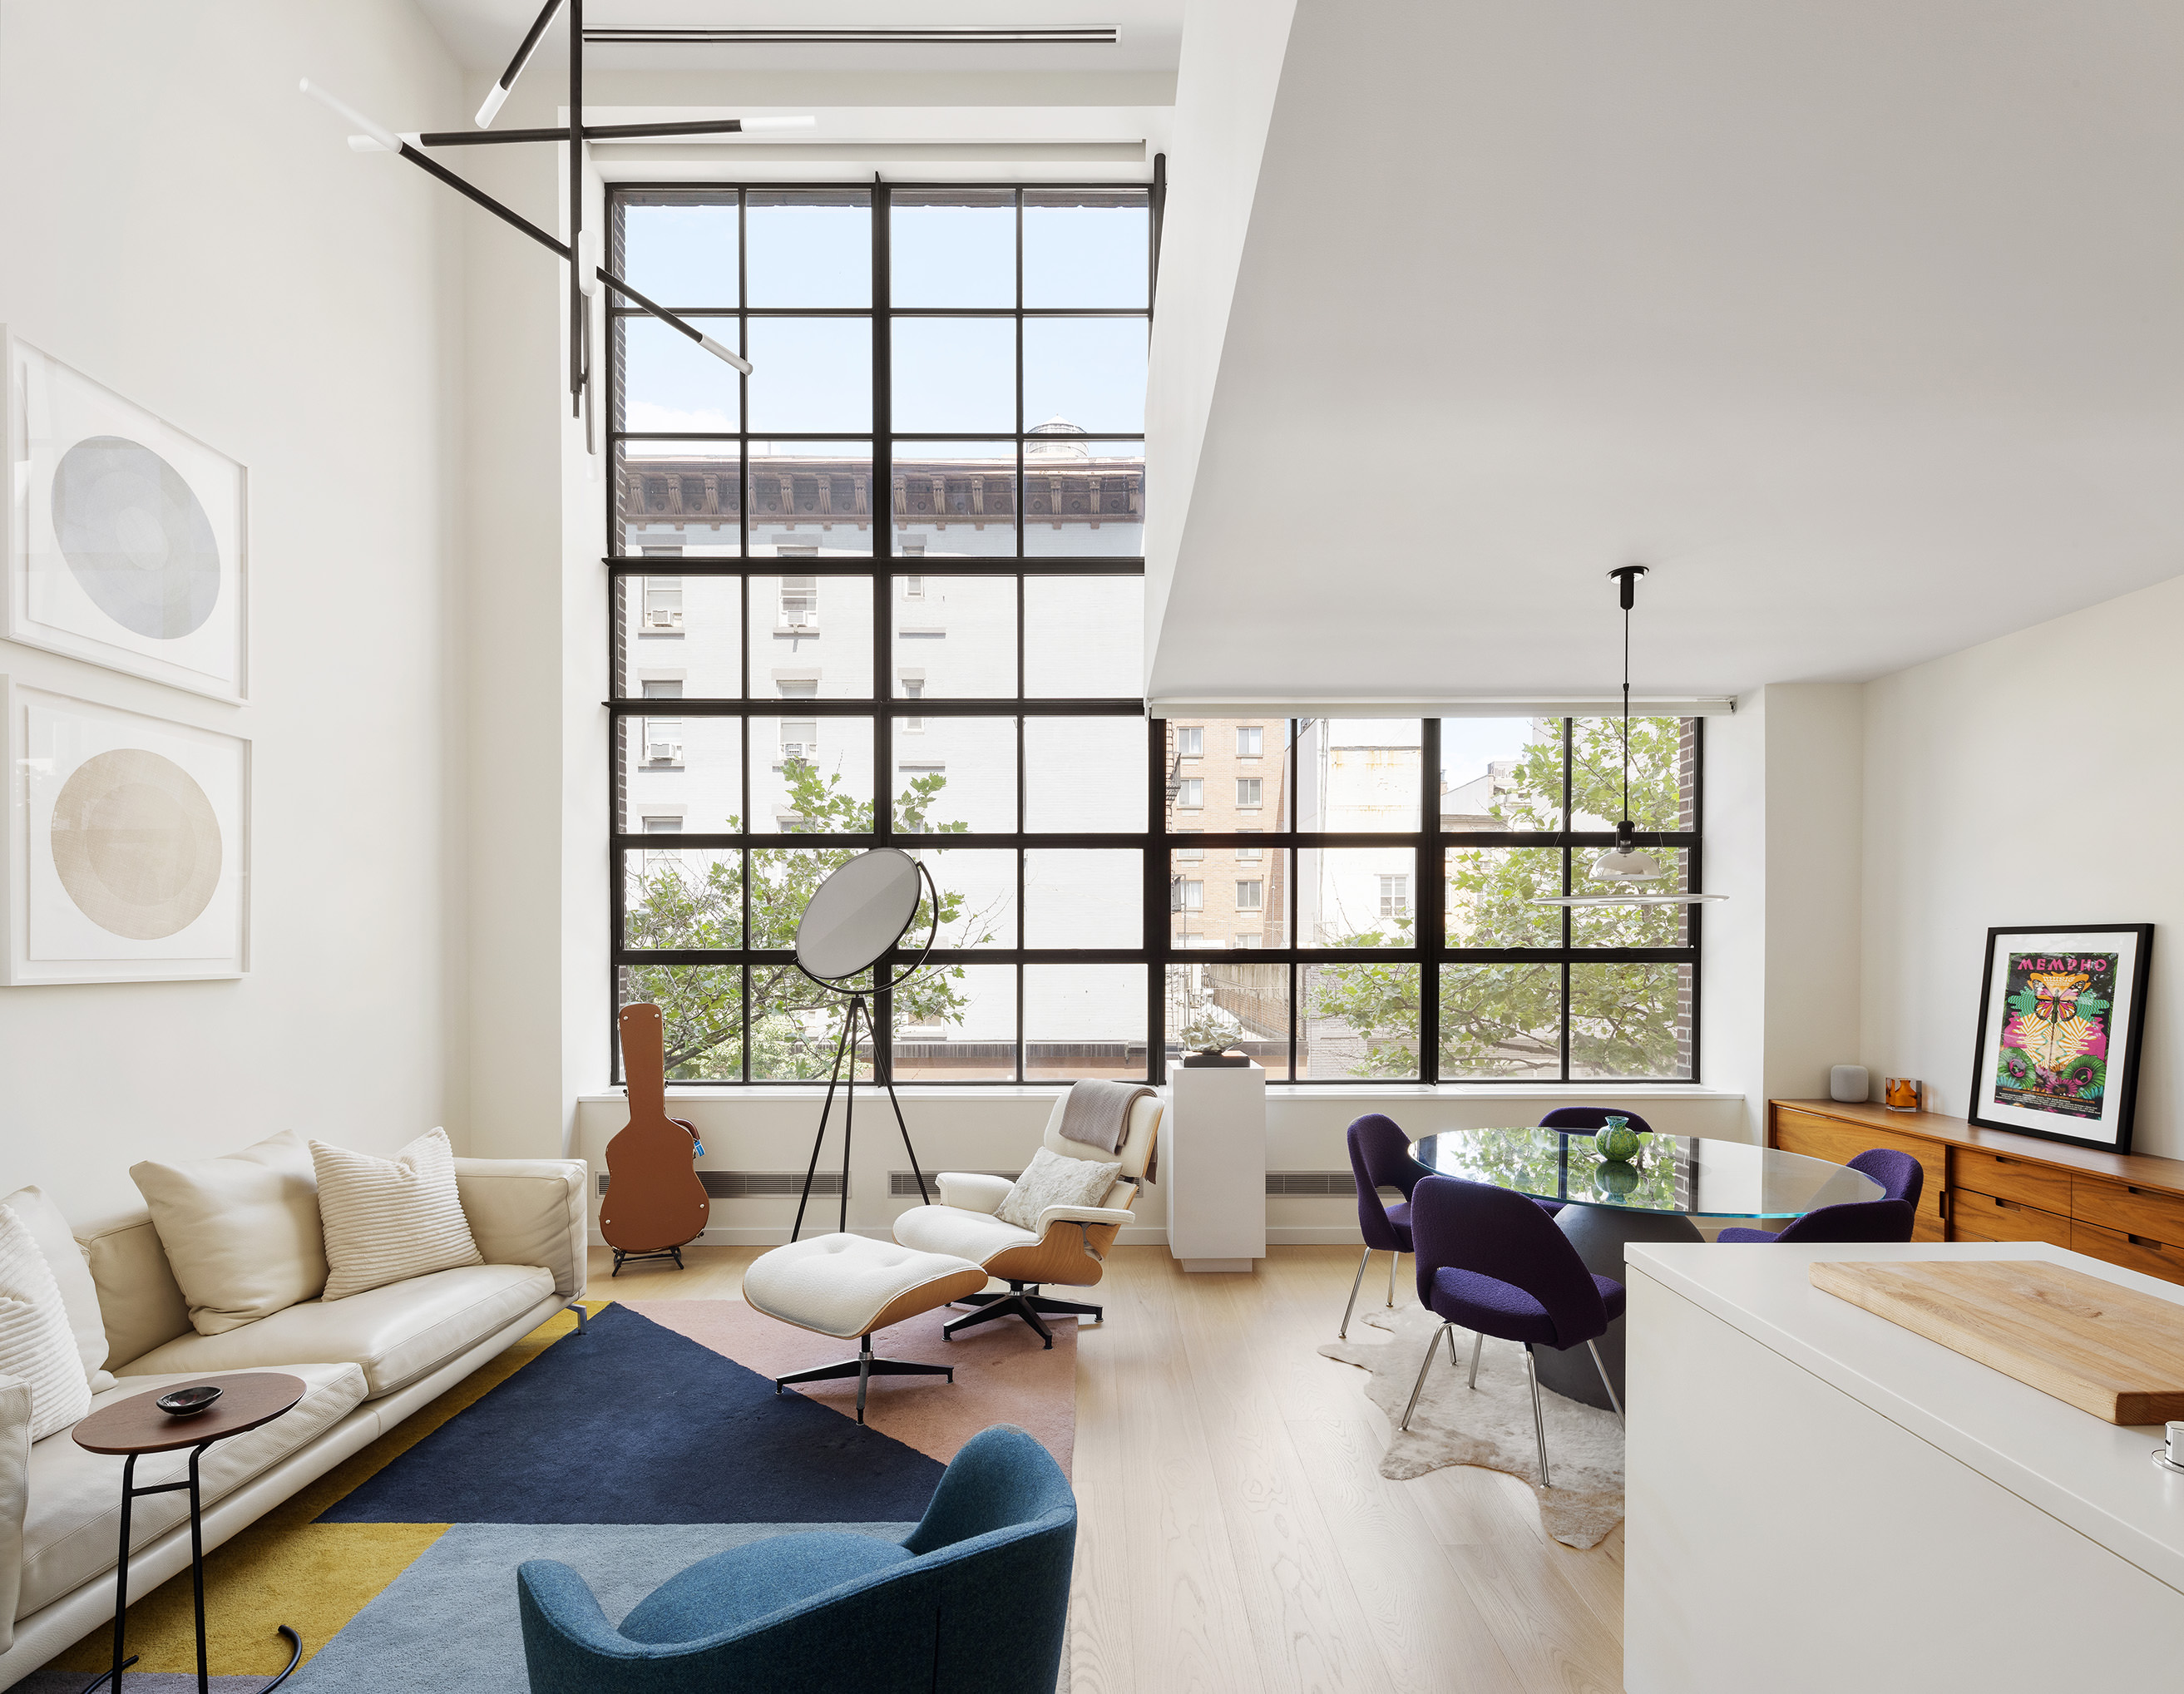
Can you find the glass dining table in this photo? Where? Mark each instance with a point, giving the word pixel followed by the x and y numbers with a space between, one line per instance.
pixel 1653 1197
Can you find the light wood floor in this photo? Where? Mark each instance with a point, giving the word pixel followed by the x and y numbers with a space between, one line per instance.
pixel 1234 1533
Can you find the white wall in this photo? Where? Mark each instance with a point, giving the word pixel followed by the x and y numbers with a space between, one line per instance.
pixel 1814 804
pixel 1226 78
pixel 1733 932
pixel 513 372
pixel 180 224
pixel 2034 779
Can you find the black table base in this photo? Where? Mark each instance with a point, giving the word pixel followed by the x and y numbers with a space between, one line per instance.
pixel 1599 1233
pixel 130 1494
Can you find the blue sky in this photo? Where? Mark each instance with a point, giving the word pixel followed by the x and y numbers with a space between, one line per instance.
pixel 815 374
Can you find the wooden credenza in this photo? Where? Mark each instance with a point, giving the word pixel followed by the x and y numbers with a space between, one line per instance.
pixel 1990 1185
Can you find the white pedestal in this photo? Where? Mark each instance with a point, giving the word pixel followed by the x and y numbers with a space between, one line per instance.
pixel 1213 1166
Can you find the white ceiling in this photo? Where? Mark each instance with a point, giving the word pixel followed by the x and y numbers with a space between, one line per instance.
pixel 1861 322
pixel 483 34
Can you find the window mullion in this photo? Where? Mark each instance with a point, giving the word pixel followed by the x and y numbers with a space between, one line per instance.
pixel 1427 911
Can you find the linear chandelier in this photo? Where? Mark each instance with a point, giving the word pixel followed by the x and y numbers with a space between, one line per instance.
pixel 1624 866
pixel 581 249
pixel 1081 35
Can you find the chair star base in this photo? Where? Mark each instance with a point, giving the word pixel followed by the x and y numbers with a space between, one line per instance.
pixel 865 1366
pixel 1024 1301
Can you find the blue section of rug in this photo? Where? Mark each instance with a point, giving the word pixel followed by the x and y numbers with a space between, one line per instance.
pixel 630 1423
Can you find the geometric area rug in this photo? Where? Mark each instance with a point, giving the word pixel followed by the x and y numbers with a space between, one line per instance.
pixel 653 1440
pixel 1490 1426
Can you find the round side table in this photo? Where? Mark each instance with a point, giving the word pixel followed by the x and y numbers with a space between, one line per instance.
pixel 136 1426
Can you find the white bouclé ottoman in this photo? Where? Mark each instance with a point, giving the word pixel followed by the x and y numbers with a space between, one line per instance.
pixel 845 1286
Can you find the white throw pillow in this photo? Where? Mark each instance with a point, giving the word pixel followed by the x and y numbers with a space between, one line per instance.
pixel 242 1233
pixel 1051 1179
pixel 388 1220
pixel 36 1342
pixel 71 1274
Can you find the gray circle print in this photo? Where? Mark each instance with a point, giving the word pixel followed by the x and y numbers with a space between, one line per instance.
pixel 136 537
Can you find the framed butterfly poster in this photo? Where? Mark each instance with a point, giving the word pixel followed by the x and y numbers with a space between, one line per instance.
pixel 2061 1014
pixel 127 539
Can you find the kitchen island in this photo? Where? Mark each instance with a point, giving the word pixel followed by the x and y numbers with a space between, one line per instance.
pixel 1822 1501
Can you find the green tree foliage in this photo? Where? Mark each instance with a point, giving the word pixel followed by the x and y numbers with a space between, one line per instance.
pixel 1504 1019
pixel 690 899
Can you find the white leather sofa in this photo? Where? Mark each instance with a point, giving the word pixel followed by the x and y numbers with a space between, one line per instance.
pixel 368 1361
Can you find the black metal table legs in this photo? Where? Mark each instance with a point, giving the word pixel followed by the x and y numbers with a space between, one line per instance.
pixel 130 1494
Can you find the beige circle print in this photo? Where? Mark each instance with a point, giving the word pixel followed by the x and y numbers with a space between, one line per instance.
pixel 136 844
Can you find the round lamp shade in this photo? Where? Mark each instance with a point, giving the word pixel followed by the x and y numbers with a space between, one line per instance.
pixel 858 912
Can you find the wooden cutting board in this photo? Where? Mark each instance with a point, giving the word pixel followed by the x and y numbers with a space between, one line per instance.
pixel 2111 1351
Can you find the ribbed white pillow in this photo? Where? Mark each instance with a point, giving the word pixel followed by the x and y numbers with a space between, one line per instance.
pixel 36 1342
pixel 388 1220
pixel 65 1258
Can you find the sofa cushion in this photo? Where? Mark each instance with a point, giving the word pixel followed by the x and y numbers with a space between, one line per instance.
pixel 65 1258
pixel 949 1229
pixel 139 1301
pixel 75 1510
pixel 391 1220
pixel 36 1343
pixel 397 1333
pixel 242 1233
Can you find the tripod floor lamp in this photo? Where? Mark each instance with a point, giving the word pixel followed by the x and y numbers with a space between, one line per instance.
pixel 860 912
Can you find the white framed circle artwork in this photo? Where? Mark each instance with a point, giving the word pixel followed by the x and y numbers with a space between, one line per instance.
pixel 128 844
pixel 127 538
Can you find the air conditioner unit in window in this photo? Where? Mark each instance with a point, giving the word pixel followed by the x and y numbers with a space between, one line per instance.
pixel 662 618
pixel 799 750
pixel 664 752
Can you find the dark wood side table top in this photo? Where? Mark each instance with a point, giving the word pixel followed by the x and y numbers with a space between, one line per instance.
pixel 137 1425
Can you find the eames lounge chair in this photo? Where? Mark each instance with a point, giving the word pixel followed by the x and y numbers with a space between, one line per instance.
pixel 1068 1245
pixel 973 1601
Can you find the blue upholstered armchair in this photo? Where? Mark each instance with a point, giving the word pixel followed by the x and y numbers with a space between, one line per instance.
pixel 973 1602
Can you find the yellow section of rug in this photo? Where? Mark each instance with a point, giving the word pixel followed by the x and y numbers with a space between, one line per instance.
pixel 285 1569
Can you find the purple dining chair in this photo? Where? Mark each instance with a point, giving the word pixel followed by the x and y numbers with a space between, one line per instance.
pixel 1380 1157
pixel 1861 1220
pixel 1493 1262
pixel 1900 1178
pixel 1578 1117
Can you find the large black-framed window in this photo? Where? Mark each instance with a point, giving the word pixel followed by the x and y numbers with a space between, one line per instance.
pixel 892 584
pixel 888 589
pixel 1355 900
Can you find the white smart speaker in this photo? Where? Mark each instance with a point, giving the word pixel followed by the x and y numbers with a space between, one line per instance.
pixel 1847 1082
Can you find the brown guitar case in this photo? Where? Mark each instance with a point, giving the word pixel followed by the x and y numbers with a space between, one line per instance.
pixel 655 1202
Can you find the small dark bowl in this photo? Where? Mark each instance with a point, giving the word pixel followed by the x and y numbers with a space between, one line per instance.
pixel 188 1402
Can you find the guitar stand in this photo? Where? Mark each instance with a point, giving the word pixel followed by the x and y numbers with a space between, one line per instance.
pixel 884 1072
pixel 622 1258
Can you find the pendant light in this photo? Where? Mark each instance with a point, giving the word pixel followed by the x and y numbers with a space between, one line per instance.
pixel 1625 866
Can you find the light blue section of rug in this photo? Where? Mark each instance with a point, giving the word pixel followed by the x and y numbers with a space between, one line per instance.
pixel 449 1621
